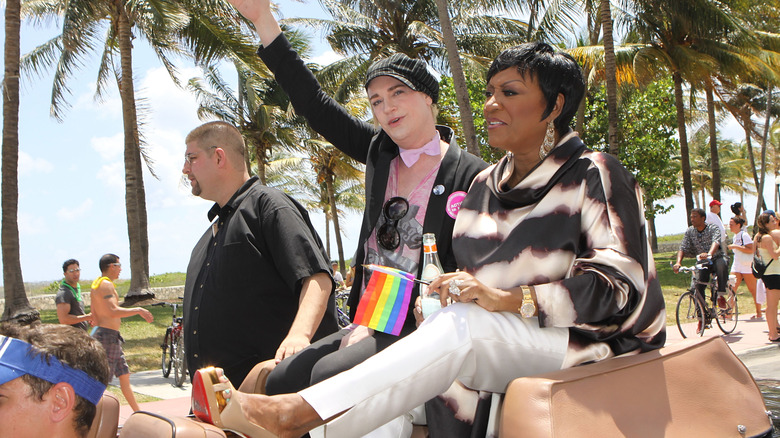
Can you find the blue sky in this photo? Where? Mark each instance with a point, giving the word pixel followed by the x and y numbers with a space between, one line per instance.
pixel 71 174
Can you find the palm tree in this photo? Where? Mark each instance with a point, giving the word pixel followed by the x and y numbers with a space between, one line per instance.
pixel 17 307
pixel 210 30
pixel 258 110
pixel 323 179
pixel 611 79
pixel 687 37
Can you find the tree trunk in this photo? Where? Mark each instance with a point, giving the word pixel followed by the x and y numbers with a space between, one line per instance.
pixel 653 235
pixel 611 78
pixel 747 124
pixel 579 124
pixel 760 204
pixel 714 158
pixel 17 307
pixel 326 212
pixel 335 217
pixel 458 79
pixel 684 153
pixel 135 196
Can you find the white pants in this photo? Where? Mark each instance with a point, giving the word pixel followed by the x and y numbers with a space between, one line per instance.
pixel 483 350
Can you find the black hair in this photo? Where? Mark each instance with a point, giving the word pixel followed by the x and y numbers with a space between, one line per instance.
pixel 106 261
pixel 68 263
pixel 700 212
pixel 736 208
pixel 557 73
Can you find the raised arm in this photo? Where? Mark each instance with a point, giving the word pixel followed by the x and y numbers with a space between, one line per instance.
pixel 326 116
pixel 259 13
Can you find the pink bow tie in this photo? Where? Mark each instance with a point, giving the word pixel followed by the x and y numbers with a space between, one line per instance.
pixel 432 148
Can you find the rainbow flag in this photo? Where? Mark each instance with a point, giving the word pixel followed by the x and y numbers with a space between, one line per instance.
pixel 385 302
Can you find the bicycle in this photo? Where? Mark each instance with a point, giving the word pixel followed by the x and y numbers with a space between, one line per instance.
pixel 173 356
pixel 691 307
pixel 342 310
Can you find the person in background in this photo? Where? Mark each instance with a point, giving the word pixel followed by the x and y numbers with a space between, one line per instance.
pixel 768 240
pixel 337 275
pixel 107 315
pixel 555 271
pixel 703 241
pixel 70 306
pixel 742 245
pixel 258 283
pixel 51 380
pixel 350 276
pixel 713 217
pixel 739 210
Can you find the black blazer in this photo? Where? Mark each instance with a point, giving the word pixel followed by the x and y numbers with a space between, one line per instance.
pixel 370 145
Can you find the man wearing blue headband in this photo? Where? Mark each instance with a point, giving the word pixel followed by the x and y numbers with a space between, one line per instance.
pixel 51 378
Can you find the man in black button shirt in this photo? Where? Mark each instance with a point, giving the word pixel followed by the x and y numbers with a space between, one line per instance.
pixel 258 282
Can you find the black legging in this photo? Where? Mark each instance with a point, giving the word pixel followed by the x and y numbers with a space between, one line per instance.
pixel 322 360
pixel 721 266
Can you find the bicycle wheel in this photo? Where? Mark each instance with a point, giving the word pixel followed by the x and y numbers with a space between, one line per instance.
pixel 727 318
pixel 179 363
pixel 689 313
pixel 167 353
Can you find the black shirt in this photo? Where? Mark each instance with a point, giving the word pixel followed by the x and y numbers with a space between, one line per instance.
pixel 67 295
pixel 243 283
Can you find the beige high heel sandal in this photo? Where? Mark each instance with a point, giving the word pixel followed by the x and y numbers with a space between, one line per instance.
pixel 212 403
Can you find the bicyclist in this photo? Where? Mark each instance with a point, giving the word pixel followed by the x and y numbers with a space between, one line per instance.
pixel 702 240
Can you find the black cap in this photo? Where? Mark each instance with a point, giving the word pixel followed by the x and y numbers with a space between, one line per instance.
pixel 412 72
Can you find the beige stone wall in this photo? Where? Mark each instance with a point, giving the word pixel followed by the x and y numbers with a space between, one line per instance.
pixel 46 302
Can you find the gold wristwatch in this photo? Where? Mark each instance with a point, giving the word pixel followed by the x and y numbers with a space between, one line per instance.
pixel 528 306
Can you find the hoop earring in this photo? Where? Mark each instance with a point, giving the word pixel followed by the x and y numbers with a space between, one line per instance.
pixel 549 141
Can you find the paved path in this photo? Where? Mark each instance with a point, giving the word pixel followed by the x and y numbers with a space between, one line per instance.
pixel 749 342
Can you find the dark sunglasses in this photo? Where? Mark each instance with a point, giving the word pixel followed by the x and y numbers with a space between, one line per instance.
pixel 394 210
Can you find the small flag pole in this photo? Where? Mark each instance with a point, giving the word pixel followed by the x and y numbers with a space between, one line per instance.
pixel 394 273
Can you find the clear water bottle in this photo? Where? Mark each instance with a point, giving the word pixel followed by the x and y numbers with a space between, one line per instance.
pixel 429 300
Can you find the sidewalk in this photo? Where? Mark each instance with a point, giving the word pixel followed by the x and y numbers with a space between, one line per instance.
pixel 748 340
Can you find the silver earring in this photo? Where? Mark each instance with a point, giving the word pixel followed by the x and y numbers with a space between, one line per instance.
pixel 549 139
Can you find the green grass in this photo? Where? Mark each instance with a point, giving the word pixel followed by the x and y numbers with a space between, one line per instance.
pixel 122 285
pixel 673 285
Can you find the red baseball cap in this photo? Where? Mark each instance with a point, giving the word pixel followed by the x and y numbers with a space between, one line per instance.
pixel 715 202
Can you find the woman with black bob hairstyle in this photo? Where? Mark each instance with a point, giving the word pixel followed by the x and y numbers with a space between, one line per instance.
pixel 555 271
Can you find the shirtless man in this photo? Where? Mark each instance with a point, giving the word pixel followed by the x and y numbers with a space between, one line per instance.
pixel 107 316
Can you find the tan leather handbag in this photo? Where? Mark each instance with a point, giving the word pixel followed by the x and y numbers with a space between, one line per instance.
pixel 694 388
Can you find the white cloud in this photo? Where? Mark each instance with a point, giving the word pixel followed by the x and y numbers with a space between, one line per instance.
pixel 109 148
pixel 30 165
pixel 106 107
pixel 327 57
pixel 112 174
pixel 77 212
pixel 30 225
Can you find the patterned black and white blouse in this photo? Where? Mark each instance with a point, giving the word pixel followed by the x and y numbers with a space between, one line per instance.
pixel 574 228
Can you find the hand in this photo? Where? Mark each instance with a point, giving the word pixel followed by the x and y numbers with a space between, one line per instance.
pixel 291 345
pixel 145 314
pixel 417 312
pixel 251 9
pixel 676 268
pixel 358 334
pixel 471 290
